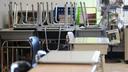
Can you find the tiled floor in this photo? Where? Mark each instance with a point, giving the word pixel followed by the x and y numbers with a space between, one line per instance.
pixel 116 67
pixel 115 63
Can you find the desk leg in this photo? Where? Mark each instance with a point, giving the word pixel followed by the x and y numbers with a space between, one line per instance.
pixel 7 59
pixel 103 62
pixel 12 55
pixel 1 59
pixel 17 58
pixel 70 46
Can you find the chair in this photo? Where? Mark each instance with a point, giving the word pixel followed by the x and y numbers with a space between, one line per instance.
pixel 20 66
pixel 114 38
pixel 24 66
pixel 35 45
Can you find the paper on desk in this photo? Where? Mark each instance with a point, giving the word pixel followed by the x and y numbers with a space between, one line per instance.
pixel 85 40
pixel 102 40
pixel 91 40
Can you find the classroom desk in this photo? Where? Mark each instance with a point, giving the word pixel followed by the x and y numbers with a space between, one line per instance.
pixel 68 61
pixel 90 32
pixel 10 35
pixel 92 44
pixel 77 57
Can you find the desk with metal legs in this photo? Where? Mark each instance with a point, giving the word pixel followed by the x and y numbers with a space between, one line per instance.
pixel 92 44
pixel 68 61
pixel 10 35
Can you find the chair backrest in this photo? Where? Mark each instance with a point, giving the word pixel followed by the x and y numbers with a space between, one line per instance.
pixel 35 45
pixel 114 36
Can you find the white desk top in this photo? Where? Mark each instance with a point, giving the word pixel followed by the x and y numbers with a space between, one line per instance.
pixel 90 40
pixel 73 57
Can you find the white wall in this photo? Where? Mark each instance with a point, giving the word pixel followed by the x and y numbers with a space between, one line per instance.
pixel 3 13
pixel 125 2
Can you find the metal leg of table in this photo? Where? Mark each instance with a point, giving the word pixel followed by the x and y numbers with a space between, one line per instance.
pixel 2 56
pixel 100 66
pixel 103 62
pixel 7 58
pixel 12 55
pixel 1 59
pixel 17 57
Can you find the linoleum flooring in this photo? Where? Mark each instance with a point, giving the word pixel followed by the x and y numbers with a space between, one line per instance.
pixel 116 67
